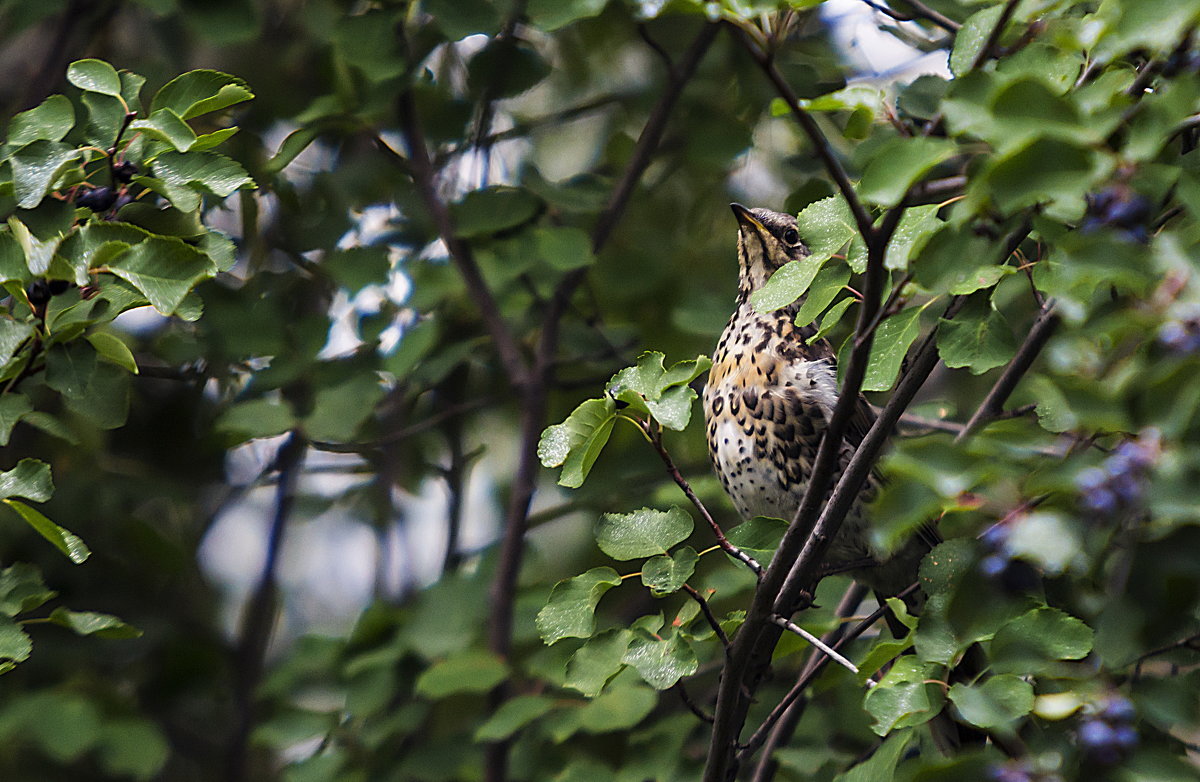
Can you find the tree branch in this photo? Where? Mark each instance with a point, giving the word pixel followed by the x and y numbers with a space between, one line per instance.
pixel 993 404
pixel 655 438
pixel 919 11
pixel 259 617
pixel 993 38
pixel 824 150
pixel 708 616
pixel 425 177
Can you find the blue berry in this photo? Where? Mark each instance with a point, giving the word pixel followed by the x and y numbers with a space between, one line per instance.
pixel 993 565
pixel 1090 479
pixel 1118 709
pixel 1126 737
pixel 1100 500
pixel 1008 773
pixel 995 537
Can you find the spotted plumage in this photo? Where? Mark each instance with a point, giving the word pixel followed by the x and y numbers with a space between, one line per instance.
pixel 770 393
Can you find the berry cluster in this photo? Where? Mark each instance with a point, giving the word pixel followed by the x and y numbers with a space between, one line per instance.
pixel 101 199
pixel 1120 481
pixel 1012 575
pixel 1121 208
pixel 1107 735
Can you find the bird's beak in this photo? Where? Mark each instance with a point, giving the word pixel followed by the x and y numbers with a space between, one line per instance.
pixel 745 218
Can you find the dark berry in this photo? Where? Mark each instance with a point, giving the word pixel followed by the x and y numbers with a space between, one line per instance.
pixel 122 200
pixel 38 293
pixel 1101 500
pixel 1019 578
pixel 1008 772
pixel 1129 212
pixel 58 286
pixel 125 171
pixel 98 199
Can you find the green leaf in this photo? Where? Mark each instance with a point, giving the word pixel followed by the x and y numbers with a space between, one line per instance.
pixel 167 126
pixel 977 338
pixel 618 709
pixel 1029 642
pixel 132 747
pixel 882 763
pixel 339 410
pixel 550 15
pixel 916 227
pixel 899 163
pixel 256 418
pixel 112 349
pixel 903 698
pixel 512 716
pixel 971 38
pixel 36 167
pixel 168 221
pixel 643 533
pixel 200 172
pixel 30 479
pixel 564 248
pixel 94 76
pixel 826 226
pixel 998 702
pixel 64 540
pixel 471 671
pixel 892 341
pixel 460 18
pixel 570 611
pixel 22 589
pixel 13 335
pixel 290 148
pixel 663 393
pixel 661 661
pixel 164 270
pixel 38 253
pixel 597 661
pixel 357 267
pixel 667 574
pixel 200 92
pixel 15 645
pixel 49 121
pixel 758 537
pixel 13 407
pixel 828 283
pixel 493 209
pixel 787 284
pixel 832 317
pixel 1046 169
pixel 505 67
pixel 575 444
pixel 92 623
pixel 99 392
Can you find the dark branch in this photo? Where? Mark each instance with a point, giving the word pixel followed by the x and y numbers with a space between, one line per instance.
pixel 919 11
pixel 824 150
pixel 425 177
pixel 989 46
pixel 708 616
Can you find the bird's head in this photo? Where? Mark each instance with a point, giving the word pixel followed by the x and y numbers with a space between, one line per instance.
pixel 766 241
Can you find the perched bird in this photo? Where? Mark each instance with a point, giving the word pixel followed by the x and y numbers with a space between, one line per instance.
pixel 769 396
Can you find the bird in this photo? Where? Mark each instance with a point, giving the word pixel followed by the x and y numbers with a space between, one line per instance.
pixel 769 396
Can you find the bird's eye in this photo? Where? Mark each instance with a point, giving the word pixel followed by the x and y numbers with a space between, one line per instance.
pixel 790 236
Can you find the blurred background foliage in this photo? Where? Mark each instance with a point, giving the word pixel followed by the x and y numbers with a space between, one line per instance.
pixel 303 511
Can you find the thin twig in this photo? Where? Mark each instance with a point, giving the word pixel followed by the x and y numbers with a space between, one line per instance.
pixel 781 732
pixel 821 145
pixel 706 609
pixel 993 404
pixel 259 617
pixel 425 177
pixel 920 11
pixel 655 438
pixel 792 627
pixel 700 713
pixel 812 671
